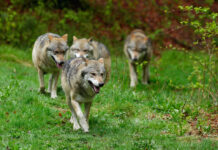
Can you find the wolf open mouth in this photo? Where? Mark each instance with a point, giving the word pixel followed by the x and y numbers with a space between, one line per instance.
pixel 59 65
pixel 95 88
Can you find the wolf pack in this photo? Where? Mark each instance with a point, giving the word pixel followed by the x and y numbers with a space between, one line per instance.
pixel 85 67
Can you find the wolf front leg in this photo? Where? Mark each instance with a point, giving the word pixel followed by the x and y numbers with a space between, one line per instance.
pixel 80 115
pixel 54 85
pixel 73 118
pixel 50 83
pixel 87 110
pixel 41 81
pixel 133 74
pixel 145 75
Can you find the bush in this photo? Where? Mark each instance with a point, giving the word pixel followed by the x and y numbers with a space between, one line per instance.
pixel 204 75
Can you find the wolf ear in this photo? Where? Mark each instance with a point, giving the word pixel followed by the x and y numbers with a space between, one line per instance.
pixel 83 74
pixel 146 39
pixel 90 40
pixel 133 36
pixel 65 36
pixel 74 38
pixel 50 37
pixel 101 60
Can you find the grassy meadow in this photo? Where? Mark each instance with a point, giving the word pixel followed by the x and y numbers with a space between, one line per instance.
pixel 166 114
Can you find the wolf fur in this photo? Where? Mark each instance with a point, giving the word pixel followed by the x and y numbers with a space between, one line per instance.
pixel 90 49
pixel 81 80
pixel 138 50
pixel 48 57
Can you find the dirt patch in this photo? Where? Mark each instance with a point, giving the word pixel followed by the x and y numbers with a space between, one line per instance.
pixel 205 125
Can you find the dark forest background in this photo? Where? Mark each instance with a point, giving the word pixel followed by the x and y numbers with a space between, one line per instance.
pixel 22 21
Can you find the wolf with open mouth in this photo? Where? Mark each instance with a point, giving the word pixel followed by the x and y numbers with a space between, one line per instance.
pixel 81 80
pixel 48 57
pixel 90 49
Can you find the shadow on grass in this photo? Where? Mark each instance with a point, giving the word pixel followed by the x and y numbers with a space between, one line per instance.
pixel 60 92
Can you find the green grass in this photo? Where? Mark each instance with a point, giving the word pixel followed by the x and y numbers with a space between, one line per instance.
pixel 147 117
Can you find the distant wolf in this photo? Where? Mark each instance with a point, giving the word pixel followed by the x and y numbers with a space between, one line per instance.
pixel 81 80
pixel 88 48
pixel 138 50
pixel 48 57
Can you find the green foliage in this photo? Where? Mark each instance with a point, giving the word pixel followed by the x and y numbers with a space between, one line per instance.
pixel 22 28
pixel 22 21
pixel 204 23
pixel 18 28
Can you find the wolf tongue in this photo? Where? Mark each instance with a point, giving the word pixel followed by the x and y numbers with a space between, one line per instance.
pixel 96 89
pixel 59 66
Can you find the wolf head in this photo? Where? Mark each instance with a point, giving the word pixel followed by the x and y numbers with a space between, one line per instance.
pixel 137 48
pixel 81 48
pixel 57 48
pixel 93 75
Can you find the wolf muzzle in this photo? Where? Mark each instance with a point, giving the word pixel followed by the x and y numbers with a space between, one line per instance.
pixel 58 64
pixel 96 88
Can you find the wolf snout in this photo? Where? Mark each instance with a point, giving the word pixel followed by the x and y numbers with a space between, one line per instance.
pixel 61 63
pixel 101 84
pixel 134 59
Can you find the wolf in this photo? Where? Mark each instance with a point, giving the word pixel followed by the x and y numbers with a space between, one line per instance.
pixel 90 49
pixel 138 50
pixel 48 57
pixel 81 80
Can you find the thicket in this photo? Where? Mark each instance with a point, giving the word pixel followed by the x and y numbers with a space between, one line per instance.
pixel 204 24
pixel 22 21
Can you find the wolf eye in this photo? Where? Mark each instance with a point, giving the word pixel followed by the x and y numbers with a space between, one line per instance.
pixel 86 50
pixel 49 49
pixel 94 74
pixel 143 49
pixel 102 74
pixel 75 49
pixel 83 74
pixel 62 52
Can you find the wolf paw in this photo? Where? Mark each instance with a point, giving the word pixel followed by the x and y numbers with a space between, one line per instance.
pixel 86 130
pixel 132 85
pixel 76 127
pixel 48 91
pixel 144 82
pixel 85 127
pixel 53 95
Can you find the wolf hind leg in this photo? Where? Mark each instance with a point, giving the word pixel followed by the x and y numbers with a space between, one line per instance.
pixel 41 81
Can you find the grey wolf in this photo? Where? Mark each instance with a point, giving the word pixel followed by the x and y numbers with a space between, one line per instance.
pixel 138 50
pixel 81 80
pixel 90 49
pixel 48 57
